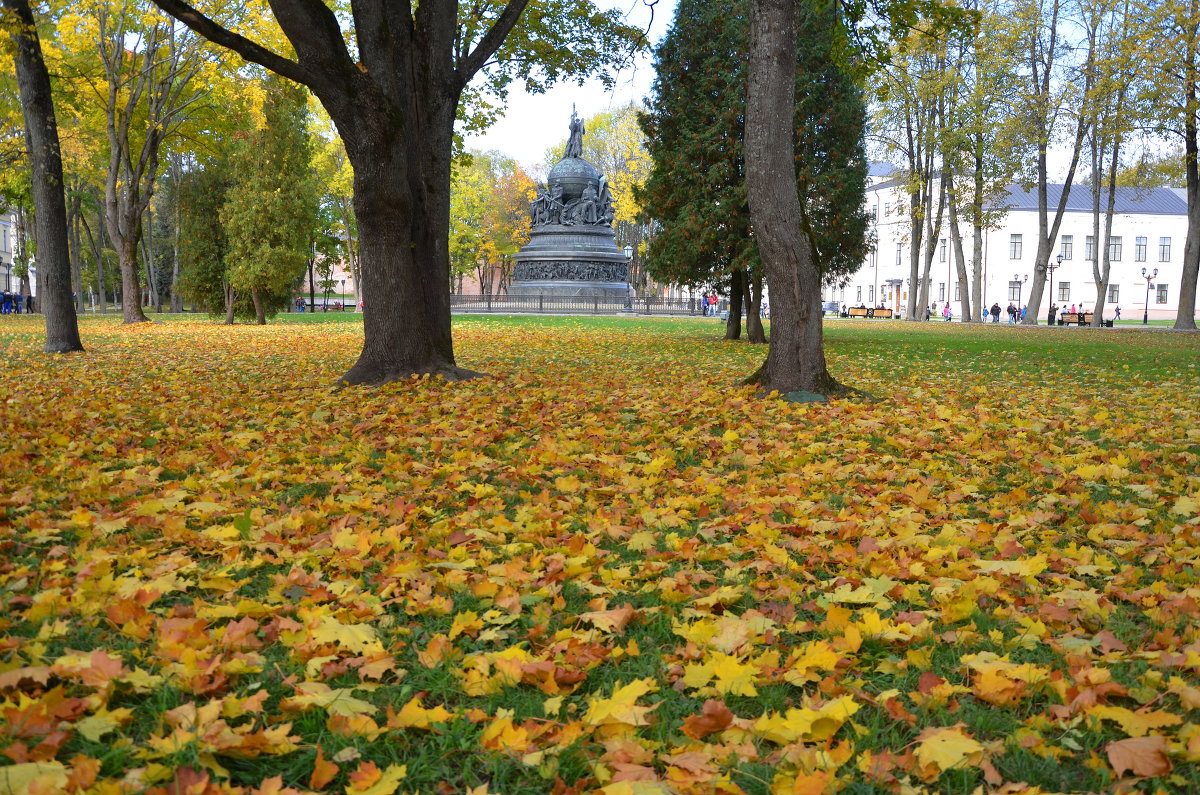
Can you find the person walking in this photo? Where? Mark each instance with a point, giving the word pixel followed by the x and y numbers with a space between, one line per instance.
pixel 1117 313
pixel 1012 313
pixel 1051 314
pixel 996 312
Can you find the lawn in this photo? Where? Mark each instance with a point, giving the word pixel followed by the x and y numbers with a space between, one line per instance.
pixel 607 567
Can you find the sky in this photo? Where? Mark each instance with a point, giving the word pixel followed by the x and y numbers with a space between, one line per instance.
pixel 535 122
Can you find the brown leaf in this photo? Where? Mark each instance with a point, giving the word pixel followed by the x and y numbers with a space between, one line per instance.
pixel 1143 756
pixel 713 718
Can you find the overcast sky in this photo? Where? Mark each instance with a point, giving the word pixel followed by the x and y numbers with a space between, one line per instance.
pixel 533 123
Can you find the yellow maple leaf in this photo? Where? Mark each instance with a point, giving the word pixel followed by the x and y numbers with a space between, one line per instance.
pixel 415 715
pixel 1135 724
pixel 386 783
pixel 621 708
pixel 359 638
pixel 335 701
pixel 467 622
pixel 940 749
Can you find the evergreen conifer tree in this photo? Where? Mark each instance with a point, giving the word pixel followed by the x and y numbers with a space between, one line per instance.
pixel 695 129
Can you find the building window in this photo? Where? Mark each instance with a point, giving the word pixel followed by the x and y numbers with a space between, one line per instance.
pixel 957 291
pixel 1139 249
pixel 1114 249
pixel 1014 246
pixel 1114 293
pixel 1014 291
pixel 942 254
pixel 843 291
pixel 899 253
pixel 1064 291
pixel 941 291
pixel 887 209
pixel 1068 246
pixel 871 293
pixel 1164 249
pixel 859 299
pixel 1160 294
pixel 1089 246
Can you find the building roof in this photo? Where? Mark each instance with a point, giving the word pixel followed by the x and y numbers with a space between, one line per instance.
pixel 1129 201
pixel 882 170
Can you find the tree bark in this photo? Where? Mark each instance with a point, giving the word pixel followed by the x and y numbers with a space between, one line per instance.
pixel 753 303
pixel 796 357
pixel 45 158
pixel 260 315
pixel 733 325
pixel 230 304
pixel 1185 317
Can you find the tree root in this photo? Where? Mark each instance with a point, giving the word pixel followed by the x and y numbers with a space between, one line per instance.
pixel 375 375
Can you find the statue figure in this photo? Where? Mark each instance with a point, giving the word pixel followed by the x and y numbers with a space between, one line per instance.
pixel 575 142
pixel 554 205
pixel 538 208
pixel 587 210
pixel 606 203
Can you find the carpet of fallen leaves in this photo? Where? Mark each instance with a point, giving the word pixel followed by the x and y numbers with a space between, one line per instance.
pixel 606 568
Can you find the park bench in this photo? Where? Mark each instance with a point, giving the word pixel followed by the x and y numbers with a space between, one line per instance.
pixel 1075 319
pixel 883 313
pixel 857 311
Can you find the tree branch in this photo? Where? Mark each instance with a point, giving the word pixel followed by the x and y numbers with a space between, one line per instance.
pixel 491 41
pixel 255 53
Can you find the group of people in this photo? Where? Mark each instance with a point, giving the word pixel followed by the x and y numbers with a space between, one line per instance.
pixel 1015 314
pixel 14 303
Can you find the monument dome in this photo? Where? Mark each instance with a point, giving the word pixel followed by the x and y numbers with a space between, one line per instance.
pixel 574 174
pixel 572 250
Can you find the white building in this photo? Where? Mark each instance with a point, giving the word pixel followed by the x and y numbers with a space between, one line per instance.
pixel 8 281
pixel 1148 232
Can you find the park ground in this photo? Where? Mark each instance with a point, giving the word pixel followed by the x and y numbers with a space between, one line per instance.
pixel 607 567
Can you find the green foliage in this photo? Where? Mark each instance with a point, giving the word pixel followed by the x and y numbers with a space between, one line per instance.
pixel 202 243
pixel 696 190
pixel 270 211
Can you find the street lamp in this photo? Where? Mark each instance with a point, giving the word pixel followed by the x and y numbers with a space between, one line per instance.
pixel 1052 266
pixel 1146 311
pixel 1020 288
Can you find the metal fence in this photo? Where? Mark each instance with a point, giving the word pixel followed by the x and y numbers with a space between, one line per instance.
pixel 578 305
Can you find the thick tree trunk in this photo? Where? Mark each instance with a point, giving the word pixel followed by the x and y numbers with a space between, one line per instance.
pixel 131 288
pixel 753 303
pixel 402 203
pixel 733 325
pixel 45 158
pixel 796 357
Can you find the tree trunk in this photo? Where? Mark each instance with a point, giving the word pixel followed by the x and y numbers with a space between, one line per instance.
pixel 960 260
pixel 131 289
pixel 177 178
pixel 230 304
pixel 796 357
pixel 753 303
pixel 1185 317
pixel 45 158
pixel 260 315
pixel 75 245
pixel 402 203
pixel 733 325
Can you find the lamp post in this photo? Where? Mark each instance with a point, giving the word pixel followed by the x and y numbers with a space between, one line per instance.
pixel 628 251
pixel 1020 289
pixel 1146 312
pixel 343 293
pixel 1052 266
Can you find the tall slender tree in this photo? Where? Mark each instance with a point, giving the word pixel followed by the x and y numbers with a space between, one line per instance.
pixel 695 128
pixel 45 159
